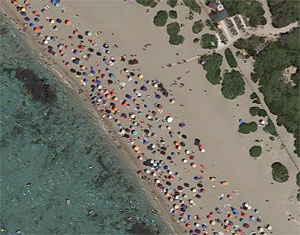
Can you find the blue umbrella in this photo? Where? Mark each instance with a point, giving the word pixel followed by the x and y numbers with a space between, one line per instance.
pixel 111 75
pixel 27 19
pixel 37 19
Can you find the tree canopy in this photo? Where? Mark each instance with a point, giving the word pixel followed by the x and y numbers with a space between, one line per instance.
pixel 251 8
pixel 160 19
pixel 212 66
pixel 209 41
pixel 197 26
pixel 284 12
pixel 147 3
pixel 233 85
pixel 281 97
pixel 230 58
pixel 280 172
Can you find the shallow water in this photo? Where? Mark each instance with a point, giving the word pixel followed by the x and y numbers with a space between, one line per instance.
pixel 59 173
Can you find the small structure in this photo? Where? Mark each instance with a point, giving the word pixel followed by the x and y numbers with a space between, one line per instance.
pixel 216 17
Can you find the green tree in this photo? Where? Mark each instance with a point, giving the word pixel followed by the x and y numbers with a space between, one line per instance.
pixel 280 172
pixel 173 14
pixel 298 179
pixel 255 151
pixel 284 12
pixel 246 128
pixel 233 85
pixel 281 97
pixel 172 3
pixel 212 64
pixel 176 39
pixel 147 3
pixel 193 5
pixel 253 111
pixel 210 25
pixel 249 44
pixel 173 28
pixel 197 26
pixel 230 58
pixel 270 128
pixel 209 41
pixel 251 8
pixel 160 18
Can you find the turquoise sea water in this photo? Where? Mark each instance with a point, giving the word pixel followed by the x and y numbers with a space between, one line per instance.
pixel 59 173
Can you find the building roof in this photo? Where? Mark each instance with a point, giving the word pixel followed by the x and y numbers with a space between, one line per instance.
pixel 213 5
pixel 219 16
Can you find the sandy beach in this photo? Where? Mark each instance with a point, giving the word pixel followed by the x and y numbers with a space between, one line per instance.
pixel 196 187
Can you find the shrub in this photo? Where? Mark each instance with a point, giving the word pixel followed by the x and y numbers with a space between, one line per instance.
pixel 172 3
pixel 262 113
pixel 147 3
pixel 246 128
pixel 253 96
pixel 173 14
pixel 196 40
pixel 233 85
pixel 197 26
pixel 298 196
pixel 210 25
pixel 279 172
pixel 255 151
pixel 161 18
pixel 230 58
pixel 193 5
pixel 253 111
pixel 173 28
pixel 176 39
pixel 298 179
pixel 209 41
pixel 270 128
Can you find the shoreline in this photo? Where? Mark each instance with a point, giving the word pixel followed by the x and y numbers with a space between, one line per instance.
pixel 47 61
pixel 225 157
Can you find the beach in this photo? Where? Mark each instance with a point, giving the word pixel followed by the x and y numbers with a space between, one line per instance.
pixel 199 111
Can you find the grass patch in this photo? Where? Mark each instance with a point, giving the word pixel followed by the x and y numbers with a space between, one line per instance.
pixel 212 67
pixel 280 172
pixel 209 41
pixel 173 14
pixel 176 39
pixel 255 151
pixel 210 25
pixel 172 3
pixel 233 85
pixel 246 128
pixel 193 5
pixel 230 58
pixel 173 28
pixel 160 18
pixel 147 3
pixel 197 26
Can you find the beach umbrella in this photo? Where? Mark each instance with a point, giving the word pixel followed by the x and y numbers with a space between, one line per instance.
pixel 37 19
pixel 157 96
pixel 76 61
pixel 88 33
pixel 111 75
pixel 169 119
pixel 68 22
pixel 58 21
pixel 105 45
pixel 27 19
pixel 134 132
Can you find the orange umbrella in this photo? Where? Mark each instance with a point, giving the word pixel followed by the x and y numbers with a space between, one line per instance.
pixel 68 22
